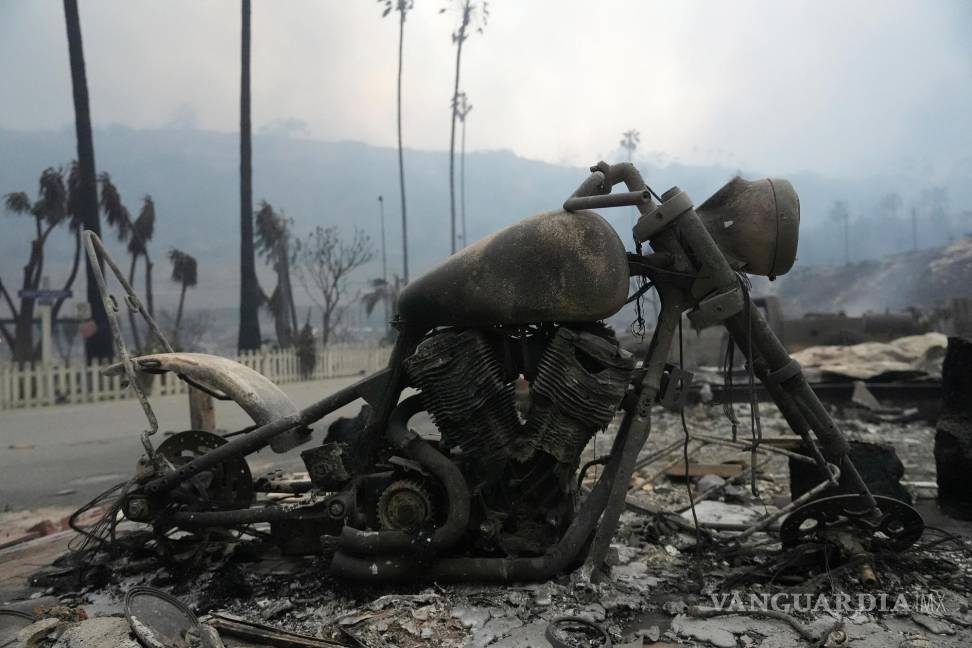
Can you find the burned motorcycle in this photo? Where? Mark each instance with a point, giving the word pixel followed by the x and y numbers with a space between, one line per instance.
pixel 503 347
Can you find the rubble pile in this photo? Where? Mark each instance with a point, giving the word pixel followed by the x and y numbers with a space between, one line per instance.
pixel 667 583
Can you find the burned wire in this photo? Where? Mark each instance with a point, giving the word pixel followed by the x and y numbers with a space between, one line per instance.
pixel 756 428
pixel 729 361
pixel 638 327
pixel 685 459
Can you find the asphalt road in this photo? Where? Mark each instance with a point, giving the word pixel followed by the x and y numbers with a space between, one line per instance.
pixel 64 456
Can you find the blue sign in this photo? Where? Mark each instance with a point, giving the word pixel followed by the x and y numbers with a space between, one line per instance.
pixel 45 296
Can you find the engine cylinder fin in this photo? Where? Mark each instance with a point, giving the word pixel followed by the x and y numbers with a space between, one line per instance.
pixel 581 379
pixel 463 388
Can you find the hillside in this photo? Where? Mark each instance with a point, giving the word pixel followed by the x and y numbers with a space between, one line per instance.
pixel 923 279
pixel 193 177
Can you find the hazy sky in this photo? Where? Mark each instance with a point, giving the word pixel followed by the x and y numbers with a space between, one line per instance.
pixel 843 88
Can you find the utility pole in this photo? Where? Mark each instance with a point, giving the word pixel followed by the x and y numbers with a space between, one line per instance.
pixel 384 261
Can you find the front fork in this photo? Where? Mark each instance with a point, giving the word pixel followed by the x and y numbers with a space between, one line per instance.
pixel 692 275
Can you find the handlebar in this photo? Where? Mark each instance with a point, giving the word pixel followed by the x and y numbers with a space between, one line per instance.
pixel 595 191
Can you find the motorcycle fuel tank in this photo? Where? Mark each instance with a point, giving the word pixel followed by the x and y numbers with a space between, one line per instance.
pixel 556 266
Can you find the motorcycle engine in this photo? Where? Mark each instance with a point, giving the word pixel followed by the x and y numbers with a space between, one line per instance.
pixel 521 470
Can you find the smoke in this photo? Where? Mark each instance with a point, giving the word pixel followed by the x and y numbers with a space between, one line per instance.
pixel 844 89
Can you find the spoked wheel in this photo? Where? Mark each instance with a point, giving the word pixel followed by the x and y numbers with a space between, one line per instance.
pixel 895 528
pixel 227 485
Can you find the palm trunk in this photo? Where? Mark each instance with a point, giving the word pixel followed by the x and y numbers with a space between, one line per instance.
pixel 136 338
pixel 7 336
pixel 282 318
pixel 99 345
pixel 294 324
pixel 23 350
pixel 178 319
pixel 249 332
pixel 149 297
pixel 325 327
pixel 452 140
pixel 401 161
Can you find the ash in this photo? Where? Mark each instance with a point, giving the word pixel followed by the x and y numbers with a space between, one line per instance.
pixel 666 582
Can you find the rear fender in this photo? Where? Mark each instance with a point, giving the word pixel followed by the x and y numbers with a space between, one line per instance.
pixel 256 394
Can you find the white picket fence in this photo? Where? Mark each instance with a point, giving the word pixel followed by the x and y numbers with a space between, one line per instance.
pixel 40 385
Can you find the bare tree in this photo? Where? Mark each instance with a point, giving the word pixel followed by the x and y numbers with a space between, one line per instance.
pixel 402 7
pixel 472 14
pixel 326 261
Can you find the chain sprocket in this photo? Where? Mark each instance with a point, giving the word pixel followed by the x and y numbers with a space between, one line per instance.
pixel 404 505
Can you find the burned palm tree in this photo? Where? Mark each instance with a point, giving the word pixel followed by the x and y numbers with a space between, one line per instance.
pixel 120 219
pixel 76 225
pixel 184 271
pixel 142 230
pixel 384 292
pixel 274 244
pixel 472 15
pixel 115 211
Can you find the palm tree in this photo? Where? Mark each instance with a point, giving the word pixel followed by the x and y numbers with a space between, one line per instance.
pixel 142 231
pixel 48 211
pixel 273 242
pixel 99 345
pixel 385 292
pixel 464 109
pixel 118 217
pixel 137 233
pixel 184 271
pixel 402 7
pixel 469 13
pixel 116 213
pixel 75 224
pixel 249 332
